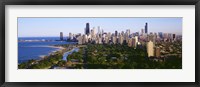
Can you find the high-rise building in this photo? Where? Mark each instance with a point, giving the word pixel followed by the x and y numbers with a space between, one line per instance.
pixel 130 42
pixel 142 31
pixel 160 35
pixel 128 31
pixel 116 33
pixel 100 40
pixel 121 39
pixel 146 28
pixel 80 40
pixel 174 36
pixel 70 36
pixel 136 41
pixel 133 42
pixel 93 33
pixel 61 35
pixel 157 52
pixel 113 39
pixel 106 40
pixel 165 36
pixel 84 39
pixel 99 30
pixel 150 49
pixel 87 29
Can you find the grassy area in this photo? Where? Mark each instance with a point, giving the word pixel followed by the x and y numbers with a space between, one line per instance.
pixel 99 56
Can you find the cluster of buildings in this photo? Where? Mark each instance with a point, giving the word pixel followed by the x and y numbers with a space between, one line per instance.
pixel 135 40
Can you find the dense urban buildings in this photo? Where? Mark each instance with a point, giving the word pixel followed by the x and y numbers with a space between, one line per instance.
pixel 152 41
pixel 101 49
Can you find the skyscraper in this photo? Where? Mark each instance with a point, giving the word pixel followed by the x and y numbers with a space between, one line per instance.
pixel 116 33
pixel 99 30
pixel 87 29
pixel 136 41
pixel 146 28
pixel 142 31
pixel 160 35
pixel 174 36
pixel 121 39
pixel 133 42
pixel 80 40
pixel 70 36
pixel 150 49
pixel 61 35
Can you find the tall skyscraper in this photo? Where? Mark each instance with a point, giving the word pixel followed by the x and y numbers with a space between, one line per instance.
pixel 150 49
pixel 87 29
pixel 61 35
pixel 146 28
pixel 116 33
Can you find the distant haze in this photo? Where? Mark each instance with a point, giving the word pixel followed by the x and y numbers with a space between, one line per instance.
pixel 51 27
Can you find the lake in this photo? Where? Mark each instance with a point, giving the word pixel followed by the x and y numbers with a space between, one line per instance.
pixel 36 47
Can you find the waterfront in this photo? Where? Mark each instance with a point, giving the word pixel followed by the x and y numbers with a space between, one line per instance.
pixel 89 45
pixel 69 52
pixel 37 47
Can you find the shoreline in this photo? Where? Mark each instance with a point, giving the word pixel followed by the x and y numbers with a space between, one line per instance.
pixel 42 57
pixel 44 60
pixel 60 49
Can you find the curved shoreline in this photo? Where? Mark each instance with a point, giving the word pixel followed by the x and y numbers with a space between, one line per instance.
pixel 41 57
pixel 60 49
pixel 69 52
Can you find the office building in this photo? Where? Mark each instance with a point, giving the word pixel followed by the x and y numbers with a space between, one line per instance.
pixel 80 40
pixel 174 36
pixel 87 29
pixel 61 35
pixel 142 32
pixel 116 33
pixel 146 28
pixel 150 49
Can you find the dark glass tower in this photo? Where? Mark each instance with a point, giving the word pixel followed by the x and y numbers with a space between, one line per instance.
pixel 146 28
pixel 116 33
pixel 87 29
pixel 61 35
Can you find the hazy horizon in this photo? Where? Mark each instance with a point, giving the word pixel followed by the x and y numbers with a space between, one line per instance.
pixel 51 27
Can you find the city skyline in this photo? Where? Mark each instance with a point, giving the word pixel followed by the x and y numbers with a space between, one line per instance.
pixel 51 27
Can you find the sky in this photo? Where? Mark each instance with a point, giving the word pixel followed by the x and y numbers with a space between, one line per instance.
pixel 51 27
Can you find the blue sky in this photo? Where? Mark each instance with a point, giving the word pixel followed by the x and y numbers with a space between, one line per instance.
pixel 44 27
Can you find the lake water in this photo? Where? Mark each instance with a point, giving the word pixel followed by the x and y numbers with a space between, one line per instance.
pixel 69 52
pixel 35 47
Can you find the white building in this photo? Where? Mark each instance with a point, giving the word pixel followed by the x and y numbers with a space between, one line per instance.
pixel 150 49
pixel 136 41
pixel 80 40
